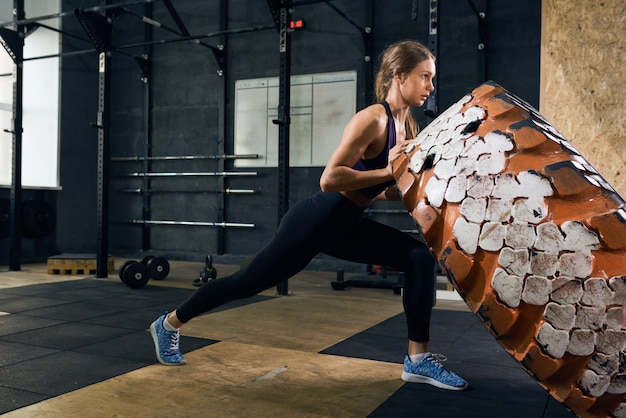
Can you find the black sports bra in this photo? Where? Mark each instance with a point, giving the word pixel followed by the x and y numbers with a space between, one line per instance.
pixel 381 160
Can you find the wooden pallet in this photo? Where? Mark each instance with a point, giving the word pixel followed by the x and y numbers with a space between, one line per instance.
pixel 76 264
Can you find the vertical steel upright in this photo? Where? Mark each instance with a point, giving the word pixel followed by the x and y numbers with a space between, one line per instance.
pixel 16 171
pixel 284 118
pixel 368 60
pixel 481 16
pixel 221 127
pixel 104 94
pixel 146 68
pixel 432 103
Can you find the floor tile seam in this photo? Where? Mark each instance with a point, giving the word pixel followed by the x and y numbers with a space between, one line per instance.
pixel 30 310
pixel 30 277
pixel 131 331
pixel 491 365
pixel 8 341
pixel 96 292
pixel 469 329
pixel 131 307
pixel 37 295
pixel 390 363
pixel 48 291
pixel 75 350
pixel 128 328
pixel 381 333
pixel 139 364
pixel 58 284
pixel 54 351
pixel 34 329
pixel 125 335
pixel 82 320
pixel 511 401
pixel 41 295
pixel 45 395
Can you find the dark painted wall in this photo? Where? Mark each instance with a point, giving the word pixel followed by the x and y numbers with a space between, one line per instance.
pixel 191 104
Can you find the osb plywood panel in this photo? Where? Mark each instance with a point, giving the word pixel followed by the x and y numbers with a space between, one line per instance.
pixel 583 59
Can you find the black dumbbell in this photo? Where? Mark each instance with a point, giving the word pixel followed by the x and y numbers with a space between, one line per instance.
pixel 158 267
pixel 134 274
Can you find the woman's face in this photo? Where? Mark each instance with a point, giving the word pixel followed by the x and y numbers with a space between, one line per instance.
pixel 415 87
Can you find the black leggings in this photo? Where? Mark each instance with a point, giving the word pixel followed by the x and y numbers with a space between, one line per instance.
pixel 328 223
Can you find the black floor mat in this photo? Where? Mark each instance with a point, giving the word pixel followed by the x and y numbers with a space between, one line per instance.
pixel 60 337
pixel 499 387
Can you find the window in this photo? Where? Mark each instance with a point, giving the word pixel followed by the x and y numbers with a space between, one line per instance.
pixel 321 106
pixel 40 118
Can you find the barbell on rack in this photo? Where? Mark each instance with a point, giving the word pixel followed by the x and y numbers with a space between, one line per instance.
pixel 187 157
pixel 190 174
pixel 191 223
pixel 225 191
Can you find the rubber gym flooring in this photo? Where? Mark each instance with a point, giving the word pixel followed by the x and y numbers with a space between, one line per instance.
pixel 77 346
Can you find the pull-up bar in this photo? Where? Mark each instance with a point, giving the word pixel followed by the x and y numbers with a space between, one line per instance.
pixel 196 37
pixel 161 42
pixel 71 12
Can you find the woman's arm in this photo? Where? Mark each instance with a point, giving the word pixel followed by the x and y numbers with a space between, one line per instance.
pixel 392 192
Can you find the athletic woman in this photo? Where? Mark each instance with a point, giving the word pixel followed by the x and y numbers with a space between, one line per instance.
pixel 358 172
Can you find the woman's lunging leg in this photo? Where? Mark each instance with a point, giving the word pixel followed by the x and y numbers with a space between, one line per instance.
pixel 277 262
pixel 376 243
pixel 380 244
pixel 304 231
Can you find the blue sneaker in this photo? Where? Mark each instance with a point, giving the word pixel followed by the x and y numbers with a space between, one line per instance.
pixel 166 343
pixel 430 370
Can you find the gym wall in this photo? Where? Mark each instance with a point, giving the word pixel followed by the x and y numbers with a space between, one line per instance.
pixel 190 104
pixel 582 78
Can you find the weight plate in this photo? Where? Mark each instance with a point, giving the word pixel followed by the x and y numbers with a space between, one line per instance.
pixel 123 269
pixel 158 267
pixel 145 260
pixel 136 275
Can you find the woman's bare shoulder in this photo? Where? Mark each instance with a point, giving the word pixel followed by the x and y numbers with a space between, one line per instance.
pixel 371 118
